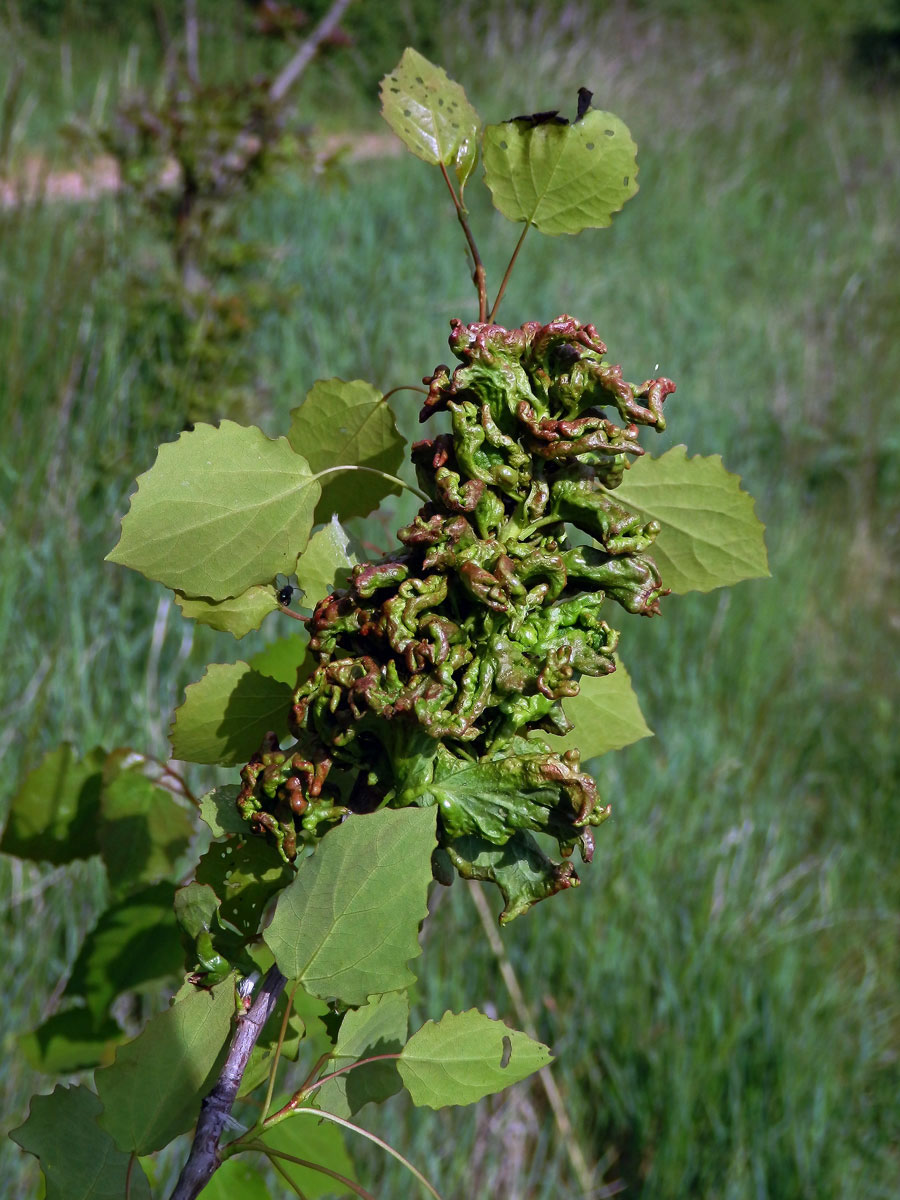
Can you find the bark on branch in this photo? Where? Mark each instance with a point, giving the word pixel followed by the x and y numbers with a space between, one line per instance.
pixel 203 1160
pixel 295 67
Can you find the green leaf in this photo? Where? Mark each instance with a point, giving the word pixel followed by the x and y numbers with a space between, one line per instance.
pixel 325 563
pixel 561 178
pixel 348 924
pixel 53 817
pixel 220 510
pixel 218 808
pixel 238 1178
pixel 711 536
pixel 466 1056
pixel 143 833
pixel 379 1027
pixel 74 1040
pixel 284 659
pixel 314 1013
pixel 316 1141
pixel 606 716
pixel 152 1092
pixel 244 872
pixel 132 944
pixel 79 1160
pixel 237 615
pixel 430 114
pixel 347 424
pixel 227 713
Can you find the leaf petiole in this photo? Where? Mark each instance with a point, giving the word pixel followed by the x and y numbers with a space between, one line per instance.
pixel 479 278
pixel 321 1115
pixel 267 1103
pixel 512 263
pixel 373 471
pixel 273 1155
pixel 307 1090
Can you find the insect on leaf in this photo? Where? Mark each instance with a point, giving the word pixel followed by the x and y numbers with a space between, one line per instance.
pixel 561 178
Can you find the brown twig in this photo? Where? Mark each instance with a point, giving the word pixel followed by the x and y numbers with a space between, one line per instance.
pixel 512 263
pixel 293 69
pixel 478 276
pixel 203 1160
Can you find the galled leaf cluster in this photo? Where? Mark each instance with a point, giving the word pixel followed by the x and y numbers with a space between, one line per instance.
pixel 442 665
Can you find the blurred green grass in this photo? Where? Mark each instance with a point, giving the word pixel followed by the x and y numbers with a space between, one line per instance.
pixel 722 991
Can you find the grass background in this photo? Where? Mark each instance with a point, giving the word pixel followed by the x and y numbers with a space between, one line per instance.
pixel 722 991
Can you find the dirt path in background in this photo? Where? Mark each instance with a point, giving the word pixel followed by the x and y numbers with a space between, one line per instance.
pixel 36 180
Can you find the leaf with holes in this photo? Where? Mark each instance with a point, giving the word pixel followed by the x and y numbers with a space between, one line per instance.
pixel 244 872
pixel 349 923
pixel 561 178
pixel 227 713
pixel 237 615
pixel 466 1056
pixel 710 536
pixel 218 808
pixel 431 115
pixel 606 716
pixel 220 510
pixel 344 423
pixel 79 1160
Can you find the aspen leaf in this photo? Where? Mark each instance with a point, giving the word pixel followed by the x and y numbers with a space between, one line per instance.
pixel 343 423
pixel 349 923
pixel 606 716
pixel 237 615
pixel 379 1027
pixel 464 1057
pixel 561 178
pixel 54 815
pixel 220 510
pixel 79 1160
pixel 227 713
pixel 710 536
pixel 152 1092
pixel 430 114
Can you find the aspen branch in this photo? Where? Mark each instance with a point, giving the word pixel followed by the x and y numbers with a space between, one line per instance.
pixel 293 69
pixel 203 1160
